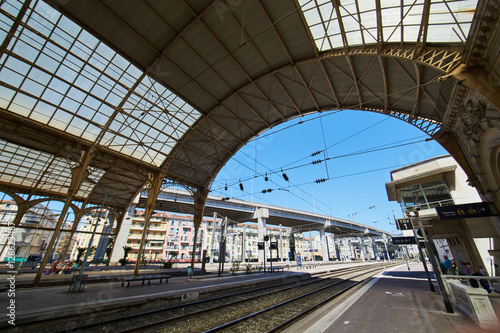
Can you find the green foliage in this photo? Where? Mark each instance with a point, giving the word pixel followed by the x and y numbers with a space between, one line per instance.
pixel 235 268
pixel 81 251
pixel 170 255
pixel 123 261
pixel 126 250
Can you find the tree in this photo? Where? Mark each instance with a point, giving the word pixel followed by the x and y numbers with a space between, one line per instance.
pixel 109 247
pixel 126 250
pixel 81 251
pixel 168 263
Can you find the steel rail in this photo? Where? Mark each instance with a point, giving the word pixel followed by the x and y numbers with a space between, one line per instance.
pixel 182 317
pixel 255 314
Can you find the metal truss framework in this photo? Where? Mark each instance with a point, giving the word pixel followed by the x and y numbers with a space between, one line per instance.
pixel 88 90
pixel 126 112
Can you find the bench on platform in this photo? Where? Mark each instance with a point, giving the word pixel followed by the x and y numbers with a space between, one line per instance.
pixel 277 268
pixel 145 278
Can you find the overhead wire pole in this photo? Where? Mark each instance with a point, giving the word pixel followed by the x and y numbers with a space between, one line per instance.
pixel 79 277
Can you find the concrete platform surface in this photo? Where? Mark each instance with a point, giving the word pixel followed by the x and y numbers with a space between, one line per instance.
pixel 396 301
pixel 51 301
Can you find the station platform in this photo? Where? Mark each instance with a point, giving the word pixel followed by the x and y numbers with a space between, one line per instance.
pixel 54 301
pixel 397 301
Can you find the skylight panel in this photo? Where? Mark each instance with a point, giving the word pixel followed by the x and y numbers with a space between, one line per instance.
pixel 12 7
pixel 327 11
pixel 32 168
pixel 449 21
pixel 62 76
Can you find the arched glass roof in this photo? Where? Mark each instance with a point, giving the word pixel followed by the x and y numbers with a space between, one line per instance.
pixel 141 86
pixel 337 24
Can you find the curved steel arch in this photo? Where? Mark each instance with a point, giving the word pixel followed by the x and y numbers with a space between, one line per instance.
pixel 242 78
pixel 418 98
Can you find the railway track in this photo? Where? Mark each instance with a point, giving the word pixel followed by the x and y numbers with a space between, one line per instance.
pixel 278 317
pixel 224 310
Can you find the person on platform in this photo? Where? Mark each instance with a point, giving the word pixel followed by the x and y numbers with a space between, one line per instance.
pixel 483 282
pixel 68 266
pixel 54 267
pixel 467 268
pixel 454 267
pixel 447 264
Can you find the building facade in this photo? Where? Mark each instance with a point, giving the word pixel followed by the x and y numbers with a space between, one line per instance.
pixel 31 236
pixel 439 182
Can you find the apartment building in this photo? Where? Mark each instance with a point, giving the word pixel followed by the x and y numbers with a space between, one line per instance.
pixel 31 236
pixel 96 219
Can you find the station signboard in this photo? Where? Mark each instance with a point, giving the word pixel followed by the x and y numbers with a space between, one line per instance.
pixel 403 240
pixel 404 224
pixel 465 211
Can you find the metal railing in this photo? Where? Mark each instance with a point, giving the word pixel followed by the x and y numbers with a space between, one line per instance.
pixel 478 281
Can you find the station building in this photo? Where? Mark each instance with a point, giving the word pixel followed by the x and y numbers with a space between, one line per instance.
pixel 440 182
pixel 95 102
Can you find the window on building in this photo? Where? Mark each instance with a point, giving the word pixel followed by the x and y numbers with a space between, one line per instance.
pixel 427 195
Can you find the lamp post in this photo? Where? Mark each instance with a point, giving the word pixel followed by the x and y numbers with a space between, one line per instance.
pixel 78 279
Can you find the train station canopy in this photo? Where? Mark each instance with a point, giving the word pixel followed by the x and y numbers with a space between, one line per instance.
pixel 181 86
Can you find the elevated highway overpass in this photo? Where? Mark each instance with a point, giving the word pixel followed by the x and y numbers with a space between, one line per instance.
pixel 179 201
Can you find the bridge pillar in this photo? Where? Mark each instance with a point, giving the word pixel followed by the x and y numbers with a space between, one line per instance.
pixel 261 214
pixel 281 244
pixel 243 242
pixel 361 249
pixel 121 238
pixel 324 245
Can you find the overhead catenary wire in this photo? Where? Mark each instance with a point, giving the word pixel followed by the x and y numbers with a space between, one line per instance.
pixel 366 151
pixel 270 171
pixel 291 186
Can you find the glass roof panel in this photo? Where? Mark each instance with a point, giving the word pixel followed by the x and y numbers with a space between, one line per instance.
pixel 32 168
pixel 449 21
pixel 58 74
pixel 151 114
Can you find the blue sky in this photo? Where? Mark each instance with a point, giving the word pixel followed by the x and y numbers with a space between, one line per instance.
pixel 354 181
